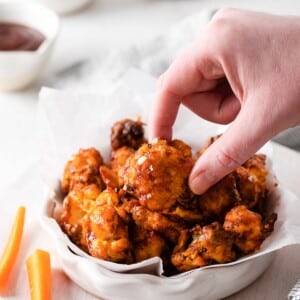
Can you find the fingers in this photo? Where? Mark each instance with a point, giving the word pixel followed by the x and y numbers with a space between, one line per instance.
pixel 163 114
pixel 242 139
pixel 213 106
pixel 184 77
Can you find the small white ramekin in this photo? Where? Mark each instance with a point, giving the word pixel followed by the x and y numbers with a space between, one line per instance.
pixel 20 68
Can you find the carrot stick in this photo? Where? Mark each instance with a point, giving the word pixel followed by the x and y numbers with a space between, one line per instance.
pixel 39 275
pixel 11 250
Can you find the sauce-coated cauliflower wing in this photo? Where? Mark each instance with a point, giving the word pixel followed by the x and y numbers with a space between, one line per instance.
pixel 127 133
pixel 106 233
pixel 202 246
pixel 251 182
pixel 217 200
pixel 76 204
pixel 155 221
pixel 157 173
pixel 247 226
pixel 83 168
pixel 147 244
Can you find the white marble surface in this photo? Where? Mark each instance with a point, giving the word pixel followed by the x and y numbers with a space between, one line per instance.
pixel 111 24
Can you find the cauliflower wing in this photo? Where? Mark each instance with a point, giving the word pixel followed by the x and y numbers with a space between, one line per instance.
pixel 221 197
pixel 251 182
pixel 157 173
pixel 83 168
pixel 106 233
pixel 76 204
pixel 202 246
pixel 147 244
pixel 247 226
pixel 127 133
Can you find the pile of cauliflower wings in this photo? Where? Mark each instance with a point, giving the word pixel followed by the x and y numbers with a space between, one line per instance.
pixel 139 205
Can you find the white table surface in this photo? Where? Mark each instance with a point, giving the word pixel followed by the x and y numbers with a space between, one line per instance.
pixel 110 24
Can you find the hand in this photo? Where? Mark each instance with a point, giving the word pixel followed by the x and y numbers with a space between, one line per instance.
pixel 245 69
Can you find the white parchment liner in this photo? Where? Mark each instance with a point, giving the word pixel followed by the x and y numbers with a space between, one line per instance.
pixel 69 121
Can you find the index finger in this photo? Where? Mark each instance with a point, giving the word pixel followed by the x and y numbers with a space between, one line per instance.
pixel 190 73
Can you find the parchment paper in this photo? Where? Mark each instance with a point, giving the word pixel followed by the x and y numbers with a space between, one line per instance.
pixel 69 121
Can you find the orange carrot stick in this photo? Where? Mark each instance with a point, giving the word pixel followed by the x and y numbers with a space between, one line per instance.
pixel 11 250
pixel 39 275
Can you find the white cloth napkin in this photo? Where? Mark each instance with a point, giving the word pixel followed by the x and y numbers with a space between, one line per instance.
pixel 153 57
pixel 294 294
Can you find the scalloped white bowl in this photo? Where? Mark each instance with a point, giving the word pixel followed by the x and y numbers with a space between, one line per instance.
pixel 144 280
pixel 208 284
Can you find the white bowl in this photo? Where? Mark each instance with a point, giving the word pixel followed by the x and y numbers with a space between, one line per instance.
pixel 208 284
pixel 20 68
pixel 65 6
pixel 145 280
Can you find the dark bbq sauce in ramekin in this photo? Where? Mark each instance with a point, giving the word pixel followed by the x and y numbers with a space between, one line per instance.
pixel 18 37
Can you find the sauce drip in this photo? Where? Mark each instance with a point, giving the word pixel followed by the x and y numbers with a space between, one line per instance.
pixel 14 37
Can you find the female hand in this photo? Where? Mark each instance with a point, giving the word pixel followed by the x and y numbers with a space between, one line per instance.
pixel 244 68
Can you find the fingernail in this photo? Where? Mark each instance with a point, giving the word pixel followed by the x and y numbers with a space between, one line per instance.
pixel 201 181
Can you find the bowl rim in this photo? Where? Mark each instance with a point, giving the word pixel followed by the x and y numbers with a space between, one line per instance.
pixel 68 7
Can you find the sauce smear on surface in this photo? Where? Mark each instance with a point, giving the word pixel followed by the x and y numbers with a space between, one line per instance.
pixel 17 37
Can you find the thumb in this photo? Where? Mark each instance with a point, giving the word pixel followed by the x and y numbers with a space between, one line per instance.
pixel 242 139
